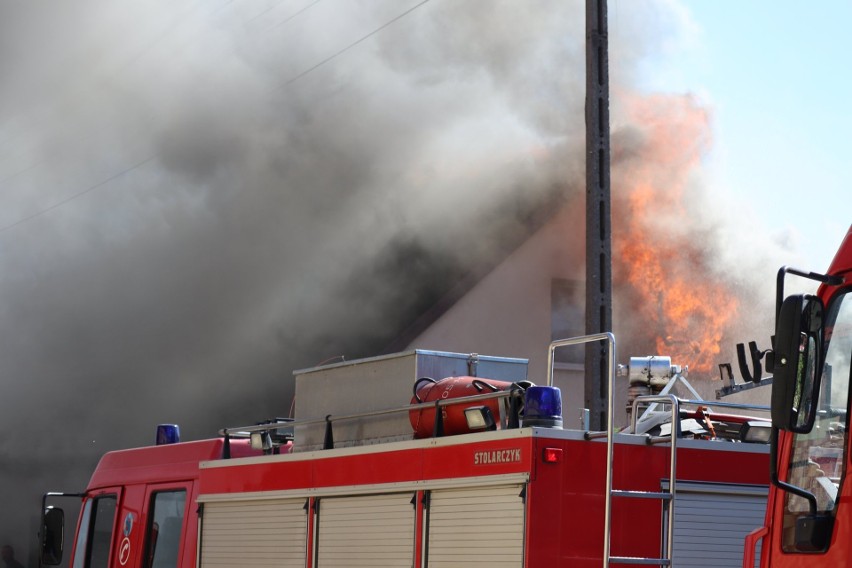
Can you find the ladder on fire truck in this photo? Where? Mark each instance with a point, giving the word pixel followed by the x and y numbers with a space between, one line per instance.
pixel 665 496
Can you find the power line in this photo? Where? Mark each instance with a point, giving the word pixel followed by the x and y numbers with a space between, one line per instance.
pixel 353 44
pixel 141 49
pixel 288 18
pixel 154 156
pixel 78 194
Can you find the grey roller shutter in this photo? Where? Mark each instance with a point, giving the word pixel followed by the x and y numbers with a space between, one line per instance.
pixel 476 527
pixel 711 522
pixel 254 534
pixel 368 530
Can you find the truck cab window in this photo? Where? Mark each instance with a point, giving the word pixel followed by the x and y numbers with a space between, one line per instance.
pixel 165 524
pixel 817 463
pixel 95 535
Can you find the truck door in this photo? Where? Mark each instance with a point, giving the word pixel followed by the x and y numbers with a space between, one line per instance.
pixel 166 532
pixel 817 460
pixel 96 534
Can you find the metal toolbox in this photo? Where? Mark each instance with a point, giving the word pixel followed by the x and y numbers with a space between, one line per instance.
pixel 377 383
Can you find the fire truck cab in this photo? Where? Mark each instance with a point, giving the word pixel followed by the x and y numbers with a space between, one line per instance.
pixel 137 509
pixel 808 520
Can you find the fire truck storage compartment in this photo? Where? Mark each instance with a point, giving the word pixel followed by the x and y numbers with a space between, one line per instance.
pixel 481 526
pixel 366 530
pixel 377 383
pixel 712 520
pixel 254 533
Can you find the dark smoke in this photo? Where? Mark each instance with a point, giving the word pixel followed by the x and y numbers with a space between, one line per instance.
pixel 230 224
pixel 198 198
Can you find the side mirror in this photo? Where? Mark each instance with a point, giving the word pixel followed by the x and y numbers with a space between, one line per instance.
pixel 797 363
pixel 52 536
pixel 813 533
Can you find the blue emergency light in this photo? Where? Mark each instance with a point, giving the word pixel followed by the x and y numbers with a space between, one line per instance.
pixel 168 434
pixel 543 407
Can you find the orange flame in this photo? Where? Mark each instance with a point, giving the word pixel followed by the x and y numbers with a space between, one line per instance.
pixel 658 252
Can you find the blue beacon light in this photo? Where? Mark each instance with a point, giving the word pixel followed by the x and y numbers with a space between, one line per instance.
pixel 168 434
pixel 543 407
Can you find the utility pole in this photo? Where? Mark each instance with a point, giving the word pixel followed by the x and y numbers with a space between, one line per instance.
pixel 598 215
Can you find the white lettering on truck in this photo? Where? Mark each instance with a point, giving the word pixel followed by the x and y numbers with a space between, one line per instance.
pixel 497 456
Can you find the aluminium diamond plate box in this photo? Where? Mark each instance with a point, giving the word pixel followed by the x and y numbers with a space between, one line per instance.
pixel 377 383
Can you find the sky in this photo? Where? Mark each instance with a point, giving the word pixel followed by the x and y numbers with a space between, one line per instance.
pixel 775 76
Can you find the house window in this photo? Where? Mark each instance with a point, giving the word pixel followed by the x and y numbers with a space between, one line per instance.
pixel 567 317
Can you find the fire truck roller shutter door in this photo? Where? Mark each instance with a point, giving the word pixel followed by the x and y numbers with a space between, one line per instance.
pixel 483 527
pixel 711 522
pixel 254 534
pixel 366 531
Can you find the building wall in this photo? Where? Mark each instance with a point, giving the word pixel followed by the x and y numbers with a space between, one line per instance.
pixel 509 314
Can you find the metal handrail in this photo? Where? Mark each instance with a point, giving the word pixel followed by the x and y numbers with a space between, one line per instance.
pixel 244 430
pixel 610 371
pixel 554 345
pixel 736 405
pixel 684 402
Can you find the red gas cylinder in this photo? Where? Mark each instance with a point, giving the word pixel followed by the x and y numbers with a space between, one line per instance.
pixel 454 422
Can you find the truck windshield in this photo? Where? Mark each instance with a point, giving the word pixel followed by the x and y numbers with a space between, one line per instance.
pixel 817 463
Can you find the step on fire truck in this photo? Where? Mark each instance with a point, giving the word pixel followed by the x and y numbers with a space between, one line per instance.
pixel 478 471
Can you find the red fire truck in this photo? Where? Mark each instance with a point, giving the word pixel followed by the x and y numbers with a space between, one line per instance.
pixel 808 521
pixel 476 472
